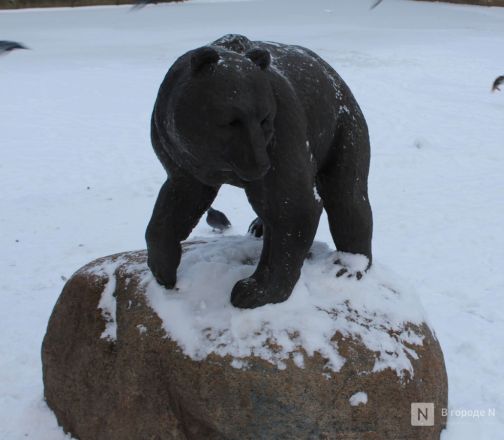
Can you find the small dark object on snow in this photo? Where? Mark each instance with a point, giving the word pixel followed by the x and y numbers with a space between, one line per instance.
pixel 498 81
pixel 9 46
pixel 256 228
pixel 141 3
pixel 375 4
pixel 277 121
pixel 217 220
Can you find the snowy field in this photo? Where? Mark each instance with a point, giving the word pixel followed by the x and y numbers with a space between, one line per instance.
pixel 78 177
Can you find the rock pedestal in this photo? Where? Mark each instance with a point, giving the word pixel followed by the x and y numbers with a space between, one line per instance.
pixel 113 367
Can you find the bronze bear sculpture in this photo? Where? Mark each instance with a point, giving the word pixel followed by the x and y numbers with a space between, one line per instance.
pixel 277 121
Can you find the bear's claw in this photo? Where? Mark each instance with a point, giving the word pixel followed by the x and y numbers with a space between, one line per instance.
pixel 345 271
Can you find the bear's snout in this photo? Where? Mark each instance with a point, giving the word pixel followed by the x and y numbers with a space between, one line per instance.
pixel 249 159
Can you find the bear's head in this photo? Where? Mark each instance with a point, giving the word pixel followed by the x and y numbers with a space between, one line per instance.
pixel 223 116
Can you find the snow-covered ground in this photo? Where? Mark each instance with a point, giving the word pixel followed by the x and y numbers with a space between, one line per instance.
pixel 78 177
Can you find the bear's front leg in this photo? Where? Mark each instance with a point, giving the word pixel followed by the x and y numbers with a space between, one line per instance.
pixel 290 222
pixel 181 202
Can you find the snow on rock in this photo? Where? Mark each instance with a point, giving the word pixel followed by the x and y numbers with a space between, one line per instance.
pixel 142 329
pixel 199 316
pixel 359 398
pixel 107 303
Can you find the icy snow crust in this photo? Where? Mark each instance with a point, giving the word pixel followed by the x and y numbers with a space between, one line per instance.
pixel 359 398
pixel 199 316
pixel 108 304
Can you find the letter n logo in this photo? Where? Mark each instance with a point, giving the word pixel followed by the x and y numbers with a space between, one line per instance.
pixel 422 414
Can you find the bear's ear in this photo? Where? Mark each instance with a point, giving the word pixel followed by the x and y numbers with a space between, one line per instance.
pixel 260 57
pixel 202 57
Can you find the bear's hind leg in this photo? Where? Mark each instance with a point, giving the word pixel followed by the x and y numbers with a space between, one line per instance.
pixel 342 185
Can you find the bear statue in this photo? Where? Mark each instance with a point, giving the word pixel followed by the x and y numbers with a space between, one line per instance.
pixel 277 121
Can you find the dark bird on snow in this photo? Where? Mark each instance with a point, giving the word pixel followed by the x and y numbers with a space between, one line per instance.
pixel 498 81
pixel 9 46
pixel 375 4
pixel 141 3
pixel 217 220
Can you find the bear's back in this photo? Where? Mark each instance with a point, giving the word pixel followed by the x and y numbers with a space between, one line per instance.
pixel 308 73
